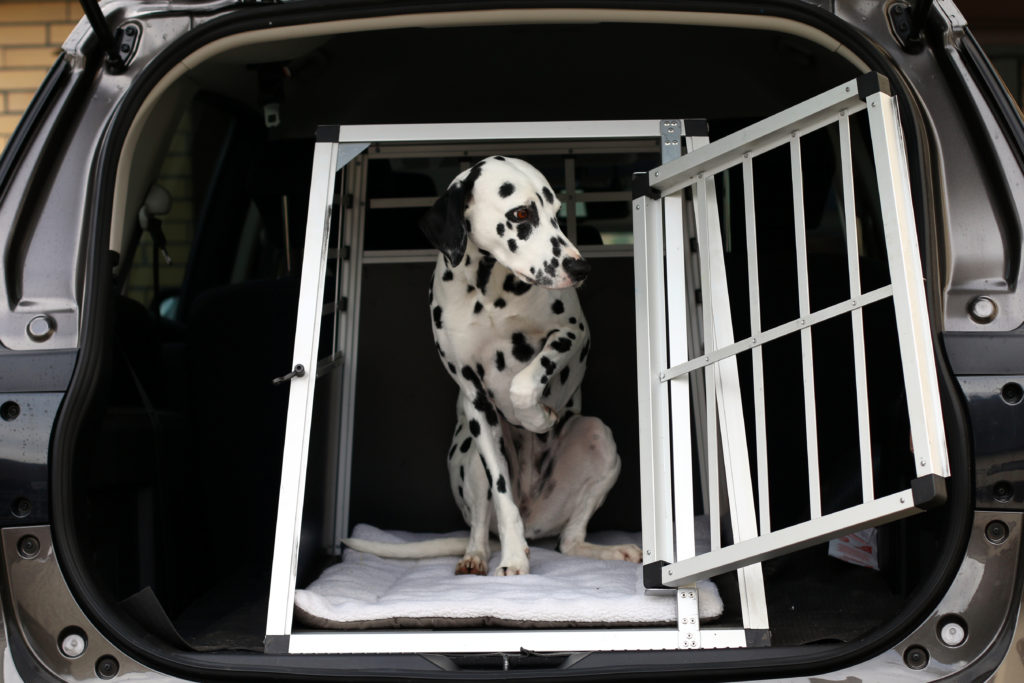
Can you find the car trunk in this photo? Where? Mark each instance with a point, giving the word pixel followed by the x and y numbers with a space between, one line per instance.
pixel 177 480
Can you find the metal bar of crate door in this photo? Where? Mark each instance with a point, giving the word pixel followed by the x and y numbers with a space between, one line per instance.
pixel 353 277
pixel 806 347
pixel 771 132
pixel 710 379
pixel 731 421
pixel 300 396
pixel 909 298
pixel 652 395
pixel 506 130
pixel 790 539
pixel 679 391
pixel 857 315
pixel 756 356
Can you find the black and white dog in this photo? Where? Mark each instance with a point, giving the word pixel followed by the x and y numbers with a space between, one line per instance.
pixel 509 329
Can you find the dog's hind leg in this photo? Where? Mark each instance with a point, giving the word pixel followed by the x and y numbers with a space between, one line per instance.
pixel 586 468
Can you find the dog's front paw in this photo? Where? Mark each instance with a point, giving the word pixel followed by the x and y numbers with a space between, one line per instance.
pixel 514 563
pixel 472 564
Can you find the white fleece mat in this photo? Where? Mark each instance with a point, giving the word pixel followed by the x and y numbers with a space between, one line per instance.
pixel 365 591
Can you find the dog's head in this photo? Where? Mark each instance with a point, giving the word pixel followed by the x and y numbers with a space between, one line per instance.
pixel 507 208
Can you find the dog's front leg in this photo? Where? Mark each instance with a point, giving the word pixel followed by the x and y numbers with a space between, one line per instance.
pixel 485 430
pixel 562 348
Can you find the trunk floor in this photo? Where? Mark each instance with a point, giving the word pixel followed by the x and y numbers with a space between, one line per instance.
pixel 812 598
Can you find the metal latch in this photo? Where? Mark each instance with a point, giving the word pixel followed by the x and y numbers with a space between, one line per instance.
pixel 298 371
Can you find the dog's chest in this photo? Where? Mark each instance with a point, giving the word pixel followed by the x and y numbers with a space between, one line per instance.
pixel 497 329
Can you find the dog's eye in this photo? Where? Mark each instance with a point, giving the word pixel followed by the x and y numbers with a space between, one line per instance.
pixel 521 214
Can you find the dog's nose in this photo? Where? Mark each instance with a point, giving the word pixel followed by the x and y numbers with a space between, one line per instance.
pixel 577 268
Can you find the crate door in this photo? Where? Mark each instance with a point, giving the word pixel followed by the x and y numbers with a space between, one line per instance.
pixel 671 428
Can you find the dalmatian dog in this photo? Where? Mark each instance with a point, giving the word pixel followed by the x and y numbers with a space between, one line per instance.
pixel 509 329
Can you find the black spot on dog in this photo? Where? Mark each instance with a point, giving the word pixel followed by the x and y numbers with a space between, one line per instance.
pixel 466 444
pixel 437 317
pixel 499 361
pixel 474 428
pixel 561 344
pixel 501 229
pixel 462 473
pixel 440 351
pixel 500 158
pixel 556 248
pixel 547 389
pixel 499 303
pixel 570 335
pixel 549 365
pixel 490 480
pixel 479 370
pixel 512 245
pixel 540 199
pixel 452 451
pixel 501 484
pixel 582 327
pixel 572 320
pixel 521 349
pixel 550 267
pixel 448 275
pixel 585 350
pixel 451 368
pixel 563 376
pixel 477 307
pixel 506 190
pixel 461 494
pixel 483 404
pixel 524 230
pixel 483 272
pixel 557 307
pixel 515 285
pixel 548 195
pixel 555 224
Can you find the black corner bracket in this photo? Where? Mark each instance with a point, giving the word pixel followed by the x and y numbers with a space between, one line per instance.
pixel 929 491
pixel 652 574
pixel 641 185
pixel 275 645
pixel 695 128
pixel 871 83
pixel 328 133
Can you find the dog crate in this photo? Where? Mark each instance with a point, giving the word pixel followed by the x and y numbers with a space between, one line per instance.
pixel 695 396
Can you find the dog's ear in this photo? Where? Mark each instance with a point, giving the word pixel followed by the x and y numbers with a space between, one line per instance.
pixel 444 224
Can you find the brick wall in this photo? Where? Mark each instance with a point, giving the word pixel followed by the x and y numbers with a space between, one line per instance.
pixel 31 33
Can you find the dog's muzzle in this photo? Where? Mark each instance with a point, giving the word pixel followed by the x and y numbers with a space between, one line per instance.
pixel 576 268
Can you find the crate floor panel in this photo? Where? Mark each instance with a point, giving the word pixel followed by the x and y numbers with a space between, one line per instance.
pixel 364 591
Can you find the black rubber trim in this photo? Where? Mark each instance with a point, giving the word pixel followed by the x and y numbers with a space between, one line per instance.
pixel 38 108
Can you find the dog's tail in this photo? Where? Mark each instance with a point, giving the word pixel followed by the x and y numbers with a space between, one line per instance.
pixel 438 547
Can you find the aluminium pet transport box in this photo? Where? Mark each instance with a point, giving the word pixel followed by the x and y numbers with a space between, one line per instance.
pixel 716 324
